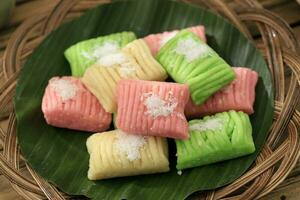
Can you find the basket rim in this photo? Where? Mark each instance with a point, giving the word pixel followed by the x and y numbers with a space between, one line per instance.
pixel 290 56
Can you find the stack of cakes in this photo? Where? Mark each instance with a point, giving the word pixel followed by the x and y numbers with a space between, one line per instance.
pixel 124 76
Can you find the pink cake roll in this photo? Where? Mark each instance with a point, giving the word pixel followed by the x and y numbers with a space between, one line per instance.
pixel 152 108
pixel 239 96
pixel 155 41
pixel 68 104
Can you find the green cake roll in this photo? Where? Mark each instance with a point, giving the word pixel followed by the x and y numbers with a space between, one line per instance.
pixel 86 53
pixel 189 60
pixel 215 138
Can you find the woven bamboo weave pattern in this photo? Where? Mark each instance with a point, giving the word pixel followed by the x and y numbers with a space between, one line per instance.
pixel 278 45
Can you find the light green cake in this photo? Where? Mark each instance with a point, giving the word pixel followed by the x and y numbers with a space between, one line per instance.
pixel 84 54
pixel 189 60
pixel 215 138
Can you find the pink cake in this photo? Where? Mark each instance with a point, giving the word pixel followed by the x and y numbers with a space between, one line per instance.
pixel 239 96
pixel 155 41
pixel 68 104
pixel 152 108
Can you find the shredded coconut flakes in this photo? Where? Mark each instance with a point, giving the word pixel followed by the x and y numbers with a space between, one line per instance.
pixel 130 145
pixel 158 107
pixel 99 51
pixel 210 124
pixel 192 49
pixel 120 59
pixel 87 55
pixel 126 70
pixel 113 59
pixel 65 88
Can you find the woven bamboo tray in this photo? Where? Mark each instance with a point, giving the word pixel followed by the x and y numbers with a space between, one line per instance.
pixel 278 45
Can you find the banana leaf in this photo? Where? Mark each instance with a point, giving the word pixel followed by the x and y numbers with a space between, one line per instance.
pixel 60 155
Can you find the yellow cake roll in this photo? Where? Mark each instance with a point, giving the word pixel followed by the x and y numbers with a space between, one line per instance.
pixel 134 61
pixel 149 69
pixel 117 154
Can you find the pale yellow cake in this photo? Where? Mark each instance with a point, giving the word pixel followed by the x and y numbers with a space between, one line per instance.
pixel 117 154
pixel 134 61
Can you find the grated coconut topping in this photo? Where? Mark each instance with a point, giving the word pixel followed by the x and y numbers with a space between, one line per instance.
pixel 192 49
pixel 113 59
pixel 65 88
pixel 98 52
pixel 130 145
pixel 126 70
pixel 158 107
pixel 210 124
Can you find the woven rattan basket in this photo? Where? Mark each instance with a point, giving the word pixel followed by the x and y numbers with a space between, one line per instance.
pixel 278 45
